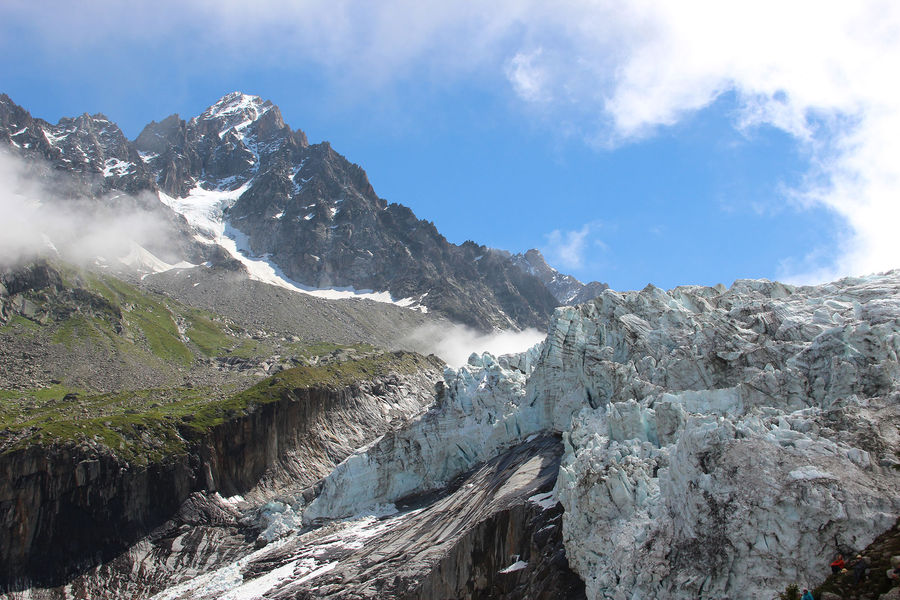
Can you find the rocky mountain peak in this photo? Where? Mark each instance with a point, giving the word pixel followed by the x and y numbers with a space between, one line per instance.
pixel 238 117
pixel 307 209
pixel 235 112
pixel 565 288
pixel 156 138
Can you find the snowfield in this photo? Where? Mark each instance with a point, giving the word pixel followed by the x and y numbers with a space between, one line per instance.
pixel 204 210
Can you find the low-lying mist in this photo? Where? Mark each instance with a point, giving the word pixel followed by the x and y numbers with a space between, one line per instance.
pixel 454 343
pixel 39 219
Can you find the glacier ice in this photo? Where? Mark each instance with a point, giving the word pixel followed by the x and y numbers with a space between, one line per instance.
pixel 718 443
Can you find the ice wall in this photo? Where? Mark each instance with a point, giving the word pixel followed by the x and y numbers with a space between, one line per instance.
pixel 719 443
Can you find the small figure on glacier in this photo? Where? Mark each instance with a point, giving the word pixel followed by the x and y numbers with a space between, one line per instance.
pixel 807 595
pixel 838 564
pixel 894 571
pixel 860 569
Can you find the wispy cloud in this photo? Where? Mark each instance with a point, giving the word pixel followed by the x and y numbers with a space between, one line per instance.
pixel 40 221
pixel 823 71
pixel 529 80
pixel 568 249
pixel 454 343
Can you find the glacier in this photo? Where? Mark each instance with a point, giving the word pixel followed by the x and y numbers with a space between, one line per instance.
pixel 718 443
pixel 204 210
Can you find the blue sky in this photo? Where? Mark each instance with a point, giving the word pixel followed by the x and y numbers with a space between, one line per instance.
pixel 654 142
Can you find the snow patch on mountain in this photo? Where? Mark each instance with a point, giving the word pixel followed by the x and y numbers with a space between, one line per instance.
pixel 117 168
pixel 204 210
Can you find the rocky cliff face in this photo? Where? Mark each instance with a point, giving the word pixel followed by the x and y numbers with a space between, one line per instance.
pixel 244 179
pixel 565 288
pixel 64 508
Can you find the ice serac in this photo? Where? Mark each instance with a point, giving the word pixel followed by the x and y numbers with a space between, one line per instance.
pixel 479 411
pixel 731 440
pixel 718 442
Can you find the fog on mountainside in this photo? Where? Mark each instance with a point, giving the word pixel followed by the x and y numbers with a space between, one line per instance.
pixel 454 343
pixel 40 221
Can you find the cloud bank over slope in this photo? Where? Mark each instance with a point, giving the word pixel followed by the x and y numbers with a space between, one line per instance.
pixel 39 221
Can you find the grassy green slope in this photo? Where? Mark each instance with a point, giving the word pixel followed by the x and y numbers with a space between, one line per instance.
pixel 94 318
pixel 144 426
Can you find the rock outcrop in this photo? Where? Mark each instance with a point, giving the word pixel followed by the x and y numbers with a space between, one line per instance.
pixel 565 288
pixel 64 508
pixel 238 169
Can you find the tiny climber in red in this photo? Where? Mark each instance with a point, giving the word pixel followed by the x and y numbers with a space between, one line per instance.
pixel 838 564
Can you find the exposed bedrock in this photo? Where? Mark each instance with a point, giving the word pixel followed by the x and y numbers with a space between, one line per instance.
pixel 494 532
pixel 477 539
pixel 66 508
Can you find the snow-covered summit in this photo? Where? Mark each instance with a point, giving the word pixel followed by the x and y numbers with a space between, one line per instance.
pixel 235 112
pixel 234 102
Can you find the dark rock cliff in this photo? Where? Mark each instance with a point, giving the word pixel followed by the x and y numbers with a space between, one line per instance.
pixel 66 508
pixel 478 566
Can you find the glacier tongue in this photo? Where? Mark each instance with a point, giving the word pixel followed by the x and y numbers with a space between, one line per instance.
pixel 480 411
pixel 718 443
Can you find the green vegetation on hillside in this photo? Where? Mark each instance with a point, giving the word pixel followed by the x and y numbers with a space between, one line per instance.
pixel 93 359
pixel 145 426
pixel 84 308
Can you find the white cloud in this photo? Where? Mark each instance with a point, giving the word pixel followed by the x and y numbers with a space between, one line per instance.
pixel 528 80
pixel 38 221
pixel 566 249
pixel 454 343
pixel 822 70
pixel 819 71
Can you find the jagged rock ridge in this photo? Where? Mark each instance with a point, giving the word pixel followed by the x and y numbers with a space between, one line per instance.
pixel 565 288
pixel 302 207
